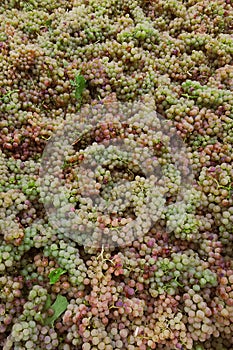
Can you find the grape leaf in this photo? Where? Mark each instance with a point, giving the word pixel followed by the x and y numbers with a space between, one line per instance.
pixel 55 275
pixel 59 306
pixel 79 83
pixel 48 303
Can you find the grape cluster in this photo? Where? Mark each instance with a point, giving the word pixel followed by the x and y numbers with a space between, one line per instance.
pixel 68 258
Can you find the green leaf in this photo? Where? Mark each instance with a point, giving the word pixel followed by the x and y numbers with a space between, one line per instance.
pixel 55 275
pixel 59 306
pixel 79 83
pixel 48 303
